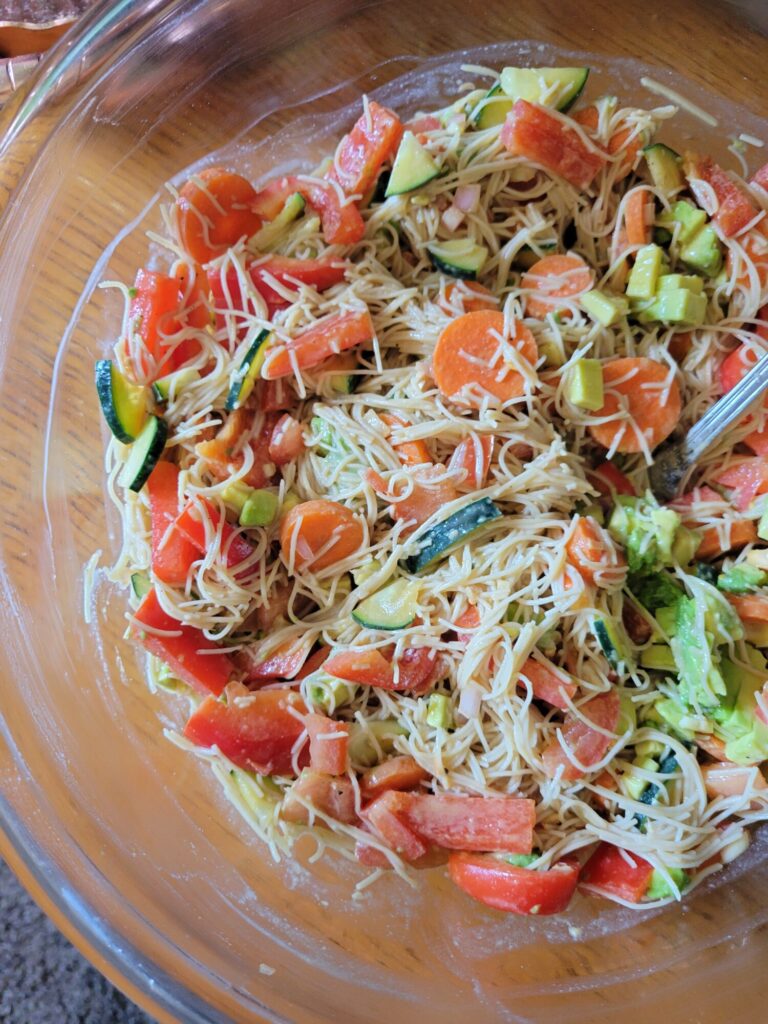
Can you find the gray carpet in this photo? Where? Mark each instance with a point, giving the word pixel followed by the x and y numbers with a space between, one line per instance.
pixel 43 979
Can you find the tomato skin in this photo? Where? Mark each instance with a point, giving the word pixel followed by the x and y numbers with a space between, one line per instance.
pixel 514 889
pixel 206 673
pixel 367 668
pixel 191 524
pixel 284 662
pixel 608 478
pixel 342 223
pixel 287 441
pixel 608 873
pixel 760 177
pixel 372 141
pixel 532 132
pixel 172 553
pixel 331 795
pixel 588 745
pixel 735 209
pixel 417 670
pixel 258 735
pixel 323 340
pixel 328 744
pixel 747 479
pixel 155 309
pixel 224 206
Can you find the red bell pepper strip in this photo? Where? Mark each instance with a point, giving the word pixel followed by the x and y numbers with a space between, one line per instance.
pixel 258 735
pixel 373 140
pixel 191 523
pixel 608 873
pixel 515 889
pixel 326 338
pixel 735 207
pixel 207 673
pixel 172 553
pixel 542 138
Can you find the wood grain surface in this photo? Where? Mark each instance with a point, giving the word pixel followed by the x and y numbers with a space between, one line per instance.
pixel 130 824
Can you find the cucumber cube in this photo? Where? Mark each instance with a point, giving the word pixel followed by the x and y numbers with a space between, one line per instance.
pixel 659 658
pixel 236 494
pixel 676 306
pixel 645 273
pixel 606 309
pixel 439 713
pixel 690 218
pixel 585 386
pixel 691 282
pixel 703 253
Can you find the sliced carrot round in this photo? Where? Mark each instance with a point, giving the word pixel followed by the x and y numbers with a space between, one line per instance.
pixel 470 354
pixel 552 279
pixel 640 387
pixel 590 549
pixel 214 211
pixel 456 295
pixel 318 533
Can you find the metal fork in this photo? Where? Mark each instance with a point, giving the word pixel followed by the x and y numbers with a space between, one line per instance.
pixel 673 462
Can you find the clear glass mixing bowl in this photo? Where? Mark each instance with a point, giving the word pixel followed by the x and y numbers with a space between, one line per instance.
pixel 123 838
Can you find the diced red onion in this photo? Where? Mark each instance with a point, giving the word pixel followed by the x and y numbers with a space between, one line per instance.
pixel 452 218
pixel 469 701
pixel 467 197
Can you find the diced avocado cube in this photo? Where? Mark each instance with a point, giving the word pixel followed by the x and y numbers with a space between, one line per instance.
pixel 645 273
pixel 606 309
pixel 585 385
pixel 364 572
pixel 650 748
pixel 658 657
pixel 521 860
pixel 236 494
pixel 676 306
pixel 672 714
pixel 741 579
pixel 660 889
pixel 664 165
pixel 646 530
pixel 260 509
pixel 439 712
pixel 689 217
pixel 686 545
pixel 666 619
pixel 329 693
pixel 702 252
pixel 692 282
pixel 762 526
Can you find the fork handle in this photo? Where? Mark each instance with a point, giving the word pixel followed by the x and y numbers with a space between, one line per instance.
pixel 725 412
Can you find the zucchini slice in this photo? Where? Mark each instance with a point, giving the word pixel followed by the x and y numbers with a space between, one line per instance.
pixel 492 109
pixel 145 453
pixel 394 607
pixel 124 404
pixel 140 584
pixel 665 166
pixel 451 533
pixel 413 167
pixel 177 381
pixel 266 237
pixel 533 84
pixel 611 644
pixel 460 257
pixel 248 372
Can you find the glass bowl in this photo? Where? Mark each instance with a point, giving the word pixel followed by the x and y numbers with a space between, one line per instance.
pixel 124 839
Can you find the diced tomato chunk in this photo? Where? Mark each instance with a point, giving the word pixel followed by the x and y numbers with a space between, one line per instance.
pixel 199 521
pixel 287 441
pixel 608 478
pixel 542 138
pixel 587 745
pixel 417 669
pixel 154 315
pixel 179 646
pixel 258 735
pixel 283 662
pixel 172 553
pixel 735 366
pixel 760 177
pixel 735 207
pixel 315 661
pixel 367 668
pixel 515 889
pixel 432 489
pixel 469 619
pixel 746 479
pixel 553 687
pixel 373 140
pixel 410 453
pixel 472 458
pixel 328 744
pixel 402 772
pixel 327 337
pixel 342 223
pixel 331 795
pixel 609 873
pixel 384 817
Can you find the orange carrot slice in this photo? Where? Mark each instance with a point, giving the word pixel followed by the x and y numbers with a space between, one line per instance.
pixel 410 453
pixel 456 295
pixel 472 457
pixel 318 533
pixel 590 550
pixel 553 278
pixel 213 211
pixel 472 358
pixel 637 386
pixel 750 607
pixel 638 225
pixel 431 490
pixel 547 685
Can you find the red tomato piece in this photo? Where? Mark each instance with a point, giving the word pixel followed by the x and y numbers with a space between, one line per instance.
pixel 198 522
pixel 417 669
pixel 587 745
pixel 283 662
pixel 314 662
pixel 410 453
pixel 747 479
pixel 172 553
pixel 155 311
pixel 735 207
pixel 684 503
pixel 342 223
pixel 287 441
pixel 214 210
pixel 383 815
pixel 258 735
pixel 735 366
pixel 373 140
pixel 327 337
pixel 328 744
pixel 469 619
pixel 399 773
pixel 332 796
pixel 432 489
pixel 503 823
pixel 206 673
pixel 609 874
pixel 428 123
pixel 276 395
pixel 472 457
pixel 514 889
pixel 540 137
pixel 608 479
pixel 760 177
pixel 757 441
pixel 367 668
pixel 549 686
